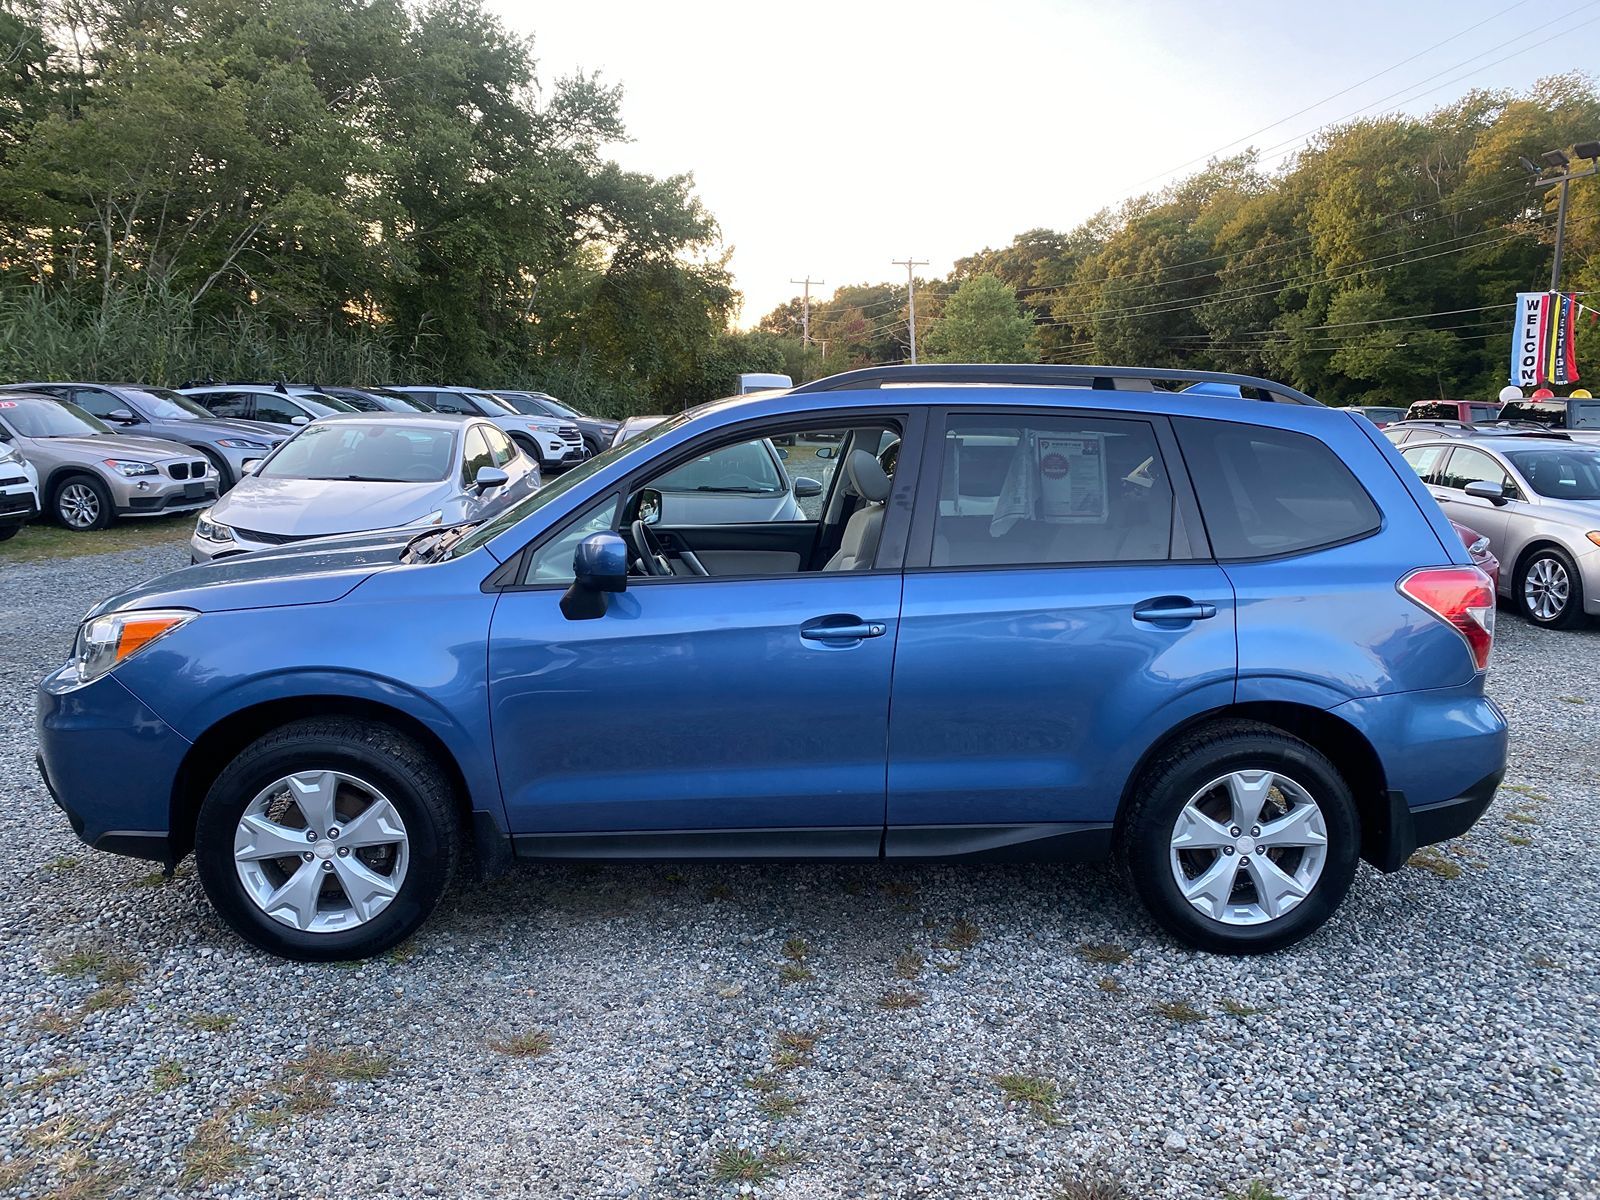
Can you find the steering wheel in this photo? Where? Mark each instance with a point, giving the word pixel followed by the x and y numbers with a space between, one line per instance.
pixel 651 557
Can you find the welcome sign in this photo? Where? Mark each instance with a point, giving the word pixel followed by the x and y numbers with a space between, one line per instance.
pixel 1542 347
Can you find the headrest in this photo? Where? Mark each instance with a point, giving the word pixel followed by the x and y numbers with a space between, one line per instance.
pixel 867 477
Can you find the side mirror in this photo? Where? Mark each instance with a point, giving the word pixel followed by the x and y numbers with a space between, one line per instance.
pixel 251 465
pixel 599 566
pixel 489 477
pixel 783 454
pixel 299 420
pixel 122 416
pixel 804 488
pixel 649 506
pixel 827 452
pixel 1482 489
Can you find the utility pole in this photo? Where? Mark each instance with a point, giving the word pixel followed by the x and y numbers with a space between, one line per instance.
pixel 911 265
pixel 1558 160
pixel 805 308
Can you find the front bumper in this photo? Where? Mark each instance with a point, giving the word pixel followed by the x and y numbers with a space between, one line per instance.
pixel 109 762
pixel 18 505
pixel 161 495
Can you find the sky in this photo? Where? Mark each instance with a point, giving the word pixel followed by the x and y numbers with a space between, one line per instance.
pixel 829 139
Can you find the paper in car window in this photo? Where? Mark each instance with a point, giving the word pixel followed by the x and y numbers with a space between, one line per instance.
pixel 1072 478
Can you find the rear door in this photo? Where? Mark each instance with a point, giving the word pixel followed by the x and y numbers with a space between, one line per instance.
pixel 1468 464
pixel 1060 611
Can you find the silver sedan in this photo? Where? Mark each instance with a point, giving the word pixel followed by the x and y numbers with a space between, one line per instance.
pixel 1537 500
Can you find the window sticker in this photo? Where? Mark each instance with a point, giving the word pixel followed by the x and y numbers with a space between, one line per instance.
pixel 8 403
pixel 1072 478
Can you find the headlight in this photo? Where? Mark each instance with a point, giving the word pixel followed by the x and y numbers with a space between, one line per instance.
pixel 212 531
pixel 8 454
pixel 127 467
pixel 241 444
pixel 103 642
pixel 436 517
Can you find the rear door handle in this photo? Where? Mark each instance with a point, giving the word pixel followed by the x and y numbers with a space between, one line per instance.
pixel 851 632
pixel 1174 609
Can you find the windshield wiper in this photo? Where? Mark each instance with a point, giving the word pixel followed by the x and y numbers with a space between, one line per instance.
pixel 739 491
pixel 432 545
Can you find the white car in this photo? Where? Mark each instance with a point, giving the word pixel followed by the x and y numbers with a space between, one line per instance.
pixel 737 484
pixel 554 442
pixel 358 472
pixel 19 492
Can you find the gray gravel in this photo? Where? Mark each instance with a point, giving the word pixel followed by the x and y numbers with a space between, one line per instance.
pixel 1439 1038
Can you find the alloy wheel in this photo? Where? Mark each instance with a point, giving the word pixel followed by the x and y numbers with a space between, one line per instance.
pixel 1546 589
pixel 79 506
pixel 321 851
pixel 1248 847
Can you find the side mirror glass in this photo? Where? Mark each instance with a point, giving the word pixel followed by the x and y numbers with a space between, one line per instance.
pixel 251 465
pixel 489 477
pixel 649 507
pixel 783 454
pixel 599 566
pixel 122 416
pixel 1482 489
pixel 299 420
pixel 804 487
pixel 826 452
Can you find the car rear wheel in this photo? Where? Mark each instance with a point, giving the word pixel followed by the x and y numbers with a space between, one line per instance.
pixel 1240 839
pixel 328 838
pixel 81 502
pixel 1550 591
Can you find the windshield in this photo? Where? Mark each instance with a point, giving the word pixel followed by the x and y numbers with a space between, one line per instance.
pixel 164 404
pixel 492 406
pixel 532 503
pixel 365 451
pixel 331 403
pixel 50 418
pixel 1482 412
pixel 1567 473
pixel 410 402
pixel 1583 414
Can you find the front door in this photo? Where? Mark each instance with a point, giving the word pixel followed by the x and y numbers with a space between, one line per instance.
pixel 1058 614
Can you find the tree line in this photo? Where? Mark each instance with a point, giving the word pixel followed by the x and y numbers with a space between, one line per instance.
pixel 1380 264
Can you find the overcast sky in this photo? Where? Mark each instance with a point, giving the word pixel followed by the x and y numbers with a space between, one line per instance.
pixel 830 138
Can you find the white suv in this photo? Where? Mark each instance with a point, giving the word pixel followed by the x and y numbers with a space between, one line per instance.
pixel 19 492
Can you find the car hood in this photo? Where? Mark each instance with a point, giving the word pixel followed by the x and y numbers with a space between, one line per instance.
pixel 317 572
pixel 203 430
pixel 121 445
pixel 317 507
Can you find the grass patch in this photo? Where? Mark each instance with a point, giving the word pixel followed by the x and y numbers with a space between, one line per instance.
pixel 213 1155
pixel 349 1065
pixel 1523 789
pixel 1091 1187
pixel 48 1079
pixel 14 1172
pixel 84 1180
pixel 535 1043
pixel 111 996
pixel 797 949
pixel 1037 1093
pixel 1522 817
pixel 1236 1008
pixel 1572 699
pixel 763 1083
pixel 52 1133
pixel 793 972
pixel 899 999
pixel 1109 984
pixel 775 1106
pixel 1254 1190
pixel 54 1021
pixel 63 863
pixel 212 1022
pixel 404 952
pixel 963 935
pixel 154 879
pixel 1517 839
pixel 39 542
pixel 1180 1011
pixel 909 964
pixel 1107 954
pixel 799 1040
pixel 169 1074
pixel 1429 859
pixel 739 1164
pixel 78 962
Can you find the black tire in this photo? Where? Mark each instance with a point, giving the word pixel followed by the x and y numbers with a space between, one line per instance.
pixel 1571 613
pixel 7 532
pixel 531 448
pixel 406 774
pixel 65 490
pixel 1144 834
pixel 225 479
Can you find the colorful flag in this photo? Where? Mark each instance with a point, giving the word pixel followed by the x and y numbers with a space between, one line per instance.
pixel 1543 346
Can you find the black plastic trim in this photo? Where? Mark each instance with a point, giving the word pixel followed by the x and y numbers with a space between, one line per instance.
pixel 1053 841
pixel 1396 837
pixel 1050 374
pixel 752 845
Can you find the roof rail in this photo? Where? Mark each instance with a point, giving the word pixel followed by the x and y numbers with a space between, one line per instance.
pixel 1448 421
pixel 1051 375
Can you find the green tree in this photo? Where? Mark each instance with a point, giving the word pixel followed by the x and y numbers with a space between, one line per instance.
pixel 982 323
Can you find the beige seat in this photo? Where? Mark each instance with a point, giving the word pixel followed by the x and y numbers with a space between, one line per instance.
pixel 867 480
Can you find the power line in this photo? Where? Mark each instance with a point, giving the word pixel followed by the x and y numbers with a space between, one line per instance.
pixel 911 265
pixel 805 309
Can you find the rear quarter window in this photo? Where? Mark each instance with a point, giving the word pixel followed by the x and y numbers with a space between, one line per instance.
pixel 1271 492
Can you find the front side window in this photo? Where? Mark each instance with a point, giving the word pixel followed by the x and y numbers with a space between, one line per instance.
pixel 449 402
pixel 236 405
pixel 363 452
pixel 1266 492
pixel 552 562
pixel 1425 460
pixel 1583 414
pixel 745 469
pixel 279 409
pixel 475 456
pixel 1051 489
pixel 1468 465
pixel 98 402
pixel 501 451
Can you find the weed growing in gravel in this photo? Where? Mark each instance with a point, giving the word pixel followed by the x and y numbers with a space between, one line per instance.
pixel 793 972
pixel 53 1020
pixel 154 879
pixel 739 1164
pixel 797 949
pixel 909 964
pixel 1543 962
pixel 1522 817
pixel 1091 1187
pixel 404 952
pixel 52 1133
pixel 1180 1011
pixel 899 889
pixel 213 1155
pixel 48 1079
pixel 1429 859
pixel 1517 839
pixel 14 1172
pixel 111 996
pixel 63 863
pixel 963 935
pixel 85 1180
pixel 212 1022
pixel 169 1074
pixel 535 1043
pixel 900 998
pixel 1572 699
pixel 119 968
pixel 1254 1190
pixel 799 1040
pixel 1108 953
pixel 1039 1094
pixel 763 1083
pixel 775 1106
pixel 1523 789
pixel 1235 1008
pixel 1108 983
pixel 78 962
pixel 361 1065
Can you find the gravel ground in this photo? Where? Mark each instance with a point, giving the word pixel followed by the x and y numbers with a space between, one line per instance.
pixel 1438 1038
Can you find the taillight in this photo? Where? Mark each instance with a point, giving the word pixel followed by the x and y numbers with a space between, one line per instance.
pixel 1461 597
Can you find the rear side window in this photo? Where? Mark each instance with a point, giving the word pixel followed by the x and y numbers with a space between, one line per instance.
pixel 1051 489
pixel 1425 460
pixel 1269 492
pixel 229 404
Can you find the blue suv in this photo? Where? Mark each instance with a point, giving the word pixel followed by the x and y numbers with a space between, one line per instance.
pixel 1229 640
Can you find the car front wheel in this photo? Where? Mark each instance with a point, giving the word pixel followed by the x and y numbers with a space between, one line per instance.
pixel 1549 590
pixel 82 502
pixel 328 838
pixel 1240 839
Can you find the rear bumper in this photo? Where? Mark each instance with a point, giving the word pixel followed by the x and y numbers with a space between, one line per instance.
pixel 1408 828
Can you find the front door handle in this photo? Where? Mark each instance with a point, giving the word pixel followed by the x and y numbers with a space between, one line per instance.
pixel 1174 608
pixel 852 630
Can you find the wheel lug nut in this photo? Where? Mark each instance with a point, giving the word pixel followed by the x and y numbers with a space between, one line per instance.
pixel 311 835
pixel 308 856
pixel 334 832
pixel 327 865
pixel 344 851
pixel 1225 850
pixel 1234 831
pixel 1255 831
